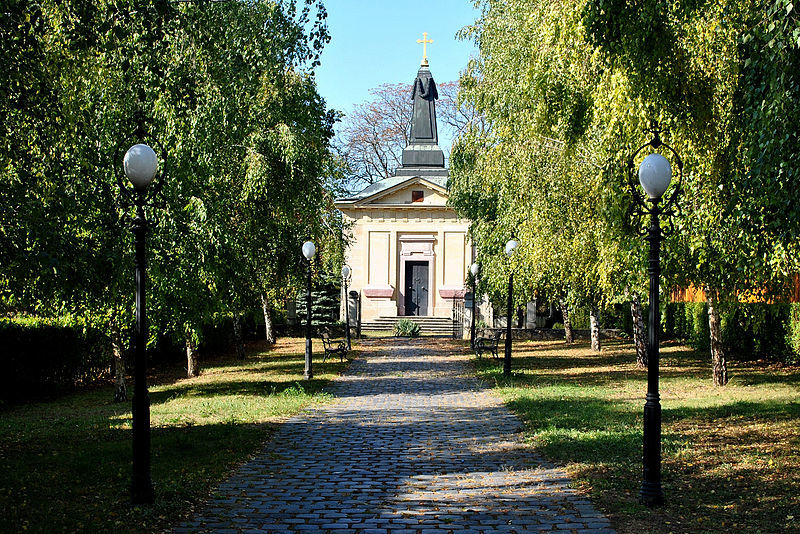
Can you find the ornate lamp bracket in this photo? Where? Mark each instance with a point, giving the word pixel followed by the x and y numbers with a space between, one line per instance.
pixel 641 207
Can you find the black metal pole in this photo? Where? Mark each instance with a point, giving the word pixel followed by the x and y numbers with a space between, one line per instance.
pixel 507 358
pixel 347 313
pixel 474 311
pixel 651 493
pixel 141 482
pixel 308 374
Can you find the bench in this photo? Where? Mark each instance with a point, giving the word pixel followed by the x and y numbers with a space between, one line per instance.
pixel 488 344
pixel 333 347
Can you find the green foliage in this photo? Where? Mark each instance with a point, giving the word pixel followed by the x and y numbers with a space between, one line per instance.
pixel 566 88
pixel 406 327
pixel 324 301
pixel 793 334
pixel 227 88
pixel 750 331
pixel 687 321
pixel 43 357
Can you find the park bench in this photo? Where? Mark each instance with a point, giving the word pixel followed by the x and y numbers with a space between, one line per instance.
pixel 333 347
pixel 488 344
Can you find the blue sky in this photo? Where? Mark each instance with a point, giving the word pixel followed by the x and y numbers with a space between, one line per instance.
pixel 375 42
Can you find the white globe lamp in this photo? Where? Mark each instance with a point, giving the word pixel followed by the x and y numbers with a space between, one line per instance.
pixel 655 174
pixel 141 165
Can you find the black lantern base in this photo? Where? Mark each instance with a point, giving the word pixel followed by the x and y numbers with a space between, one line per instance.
pixel 651 494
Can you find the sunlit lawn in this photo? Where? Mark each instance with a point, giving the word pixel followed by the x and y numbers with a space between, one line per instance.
pixel 731 455
pixel 65 464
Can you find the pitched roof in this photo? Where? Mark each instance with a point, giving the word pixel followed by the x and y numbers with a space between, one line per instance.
pixel 394 181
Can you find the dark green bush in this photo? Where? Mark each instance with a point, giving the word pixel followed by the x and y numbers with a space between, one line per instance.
pixel 749 330
pixel 42 357
pixel 324 302
pixel 758 331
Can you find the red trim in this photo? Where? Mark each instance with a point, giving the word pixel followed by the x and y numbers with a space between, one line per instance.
pixel 452 293
pixel 379 292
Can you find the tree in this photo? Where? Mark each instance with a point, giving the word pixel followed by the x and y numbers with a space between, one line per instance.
pixel 372 138
pixel 566 89
pixel 222 84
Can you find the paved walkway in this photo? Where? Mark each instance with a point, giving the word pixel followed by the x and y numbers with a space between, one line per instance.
pixel 412 445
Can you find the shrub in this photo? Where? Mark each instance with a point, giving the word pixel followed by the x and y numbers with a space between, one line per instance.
pixel 46 356
pixel 749 330
pixel 579 318
pixel 324 302
pixel 406 327
pixel 793 332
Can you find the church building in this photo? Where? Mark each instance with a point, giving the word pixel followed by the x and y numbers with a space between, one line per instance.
pixel 409 251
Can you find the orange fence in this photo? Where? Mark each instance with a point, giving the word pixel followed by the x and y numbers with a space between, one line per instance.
pixel 695 294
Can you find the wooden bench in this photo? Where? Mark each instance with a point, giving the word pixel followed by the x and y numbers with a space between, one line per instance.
pixel 488 344
pixel 333 347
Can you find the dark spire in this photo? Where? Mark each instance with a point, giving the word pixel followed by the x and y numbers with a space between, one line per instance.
pixel 423 148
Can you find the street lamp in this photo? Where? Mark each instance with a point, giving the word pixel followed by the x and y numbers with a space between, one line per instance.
pixel 475 268
pixel 308 252
pixel 346 271
pixel 511 246
pixel 140 165
pixel 655 175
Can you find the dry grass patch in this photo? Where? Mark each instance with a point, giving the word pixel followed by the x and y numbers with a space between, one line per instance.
pixel 731 456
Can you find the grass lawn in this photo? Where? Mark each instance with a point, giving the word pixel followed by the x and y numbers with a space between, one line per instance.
pixel 65 464
pixel 731 455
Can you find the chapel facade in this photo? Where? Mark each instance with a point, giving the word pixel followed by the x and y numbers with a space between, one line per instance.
pixel 409 251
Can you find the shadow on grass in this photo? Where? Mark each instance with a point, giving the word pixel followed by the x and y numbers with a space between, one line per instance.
pixel 767 411
pixel 717 459
pixel 79 481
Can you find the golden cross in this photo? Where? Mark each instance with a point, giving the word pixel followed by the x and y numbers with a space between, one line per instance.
pixel 425 42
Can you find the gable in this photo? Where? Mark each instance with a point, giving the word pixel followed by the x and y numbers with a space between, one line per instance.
pixel 410 195
pixel 407 194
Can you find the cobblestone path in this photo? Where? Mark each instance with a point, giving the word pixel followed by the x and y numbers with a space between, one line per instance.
pixel 412 445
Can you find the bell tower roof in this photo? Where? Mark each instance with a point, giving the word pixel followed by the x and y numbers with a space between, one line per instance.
pixel 423 147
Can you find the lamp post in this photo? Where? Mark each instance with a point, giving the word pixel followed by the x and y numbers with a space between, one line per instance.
pixel 511 246
pixel 308 252
pixel 655 175
pixel 140 165
pixel 475 268
pixel 346 272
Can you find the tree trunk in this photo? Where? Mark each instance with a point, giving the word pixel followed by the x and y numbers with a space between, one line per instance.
pixel 120 387
pixel 192 367
pixel 269 332
pixel 568 335
pixel 238 339
pixel 718 361
pixel 638 330
pixel 594 328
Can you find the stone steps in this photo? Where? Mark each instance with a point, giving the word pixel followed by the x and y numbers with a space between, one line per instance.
pixel 428 325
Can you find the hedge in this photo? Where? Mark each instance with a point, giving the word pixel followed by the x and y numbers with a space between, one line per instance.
pixel 42 357
pixel 750 331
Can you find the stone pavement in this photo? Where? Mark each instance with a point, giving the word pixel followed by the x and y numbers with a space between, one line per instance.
pixel 412 445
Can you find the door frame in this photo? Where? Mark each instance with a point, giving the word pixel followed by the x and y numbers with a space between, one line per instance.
pixel 427 264
pixel 416 247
